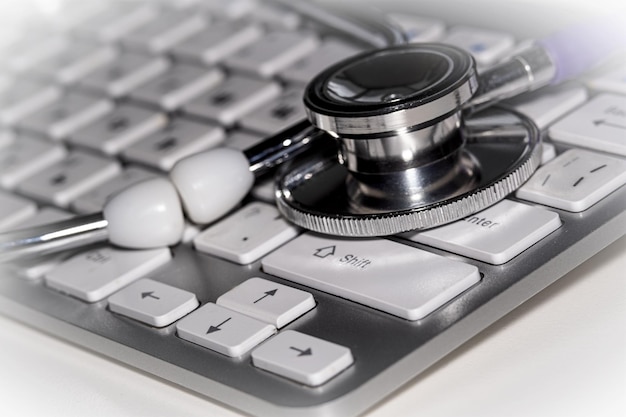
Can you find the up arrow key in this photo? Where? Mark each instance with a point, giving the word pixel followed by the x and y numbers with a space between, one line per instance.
pixel 267 294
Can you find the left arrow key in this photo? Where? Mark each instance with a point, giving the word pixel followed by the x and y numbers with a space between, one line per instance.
pixel 173 304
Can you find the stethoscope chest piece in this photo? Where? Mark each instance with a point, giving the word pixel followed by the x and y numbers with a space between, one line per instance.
pixel 407 156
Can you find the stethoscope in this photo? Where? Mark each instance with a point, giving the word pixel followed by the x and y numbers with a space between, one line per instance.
pixel 397 139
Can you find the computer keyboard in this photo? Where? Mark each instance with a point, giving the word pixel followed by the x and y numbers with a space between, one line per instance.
pixel 251 311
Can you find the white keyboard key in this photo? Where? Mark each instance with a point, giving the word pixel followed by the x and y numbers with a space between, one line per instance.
pixel 119 129
pixel 36 53
pixel 14 210
pixel 61 183
pixel 45 215
pixel 419 29
pixel 165 31
pixel 24 97
pixel 575 180
pixel 495 235
pixel 222 330
pixel 25 157
pixel 9 37
pixel 398 279
pixel 79 12
pixel 218 41
pixel 76 61
pixel 330 52
pixel 94 200
pixel 190 231
pixel 613 81
pixel 302 358
pixel 233 99
pixel 231 9
pixel 277 16
pixel 268 301
pixel 545 107
pixel 600 124
pixel 98 273
pixel 182 4
pixel 126 73
pixel 264 190
pixel 181 138
pixel 178 86
pixel 278 114
pixel 238 139
pixel 153 302
pixel 486 46
pixel 273 53
pixel 117 20
pixel 246 235
pixel 548 152
pixel 6 138
pixel 66 115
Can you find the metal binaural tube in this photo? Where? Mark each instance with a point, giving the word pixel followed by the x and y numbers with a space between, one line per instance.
pixel 42 240
pixel 528 70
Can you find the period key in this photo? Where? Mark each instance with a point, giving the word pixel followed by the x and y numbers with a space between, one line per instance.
pixel 398 279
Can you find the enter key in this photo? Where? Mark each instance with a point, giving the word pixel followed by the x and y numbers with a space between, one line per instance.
pixel 495 235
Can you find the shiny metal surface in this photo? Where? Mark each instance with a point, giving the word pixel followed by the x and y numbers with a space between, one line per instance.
pixel 400 352
pixel 73 233
pixel 281 147
pixel 502 150
pixel 530 69
pixel 391 90
pixel 402 150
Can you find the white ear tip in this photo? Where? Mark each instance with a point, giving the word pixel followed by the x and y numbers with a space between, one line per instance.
pixel 145 215
pixel 211 183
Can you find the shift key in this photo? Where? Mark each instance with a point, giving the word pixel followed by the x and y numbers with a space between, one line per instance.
pixel 398 279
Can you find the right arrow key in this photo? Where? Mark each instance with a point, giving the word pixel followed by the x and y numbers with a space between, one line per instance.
pixel 302 358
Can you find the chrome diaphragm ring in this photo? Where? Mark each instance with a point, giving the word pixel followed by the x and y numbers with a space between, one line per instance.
pixel 317 193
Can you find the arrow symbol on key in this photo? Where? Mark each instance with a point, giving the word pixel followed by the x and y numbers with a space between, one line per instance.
pixel 267 294
pixel 214 329
pixel 149 294
pixel 604 122
pixel 306 352
pixel 324 252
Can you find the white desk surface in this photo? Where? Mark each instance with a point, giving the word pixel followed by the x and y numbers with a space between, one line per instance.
pixel 563 353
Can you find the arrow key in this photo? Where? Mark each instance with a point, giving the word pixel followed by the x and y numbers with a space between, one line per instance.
pixel 267 301
pixel 153 302
pixel 222 330
pixel 600 125
pixel 575 180
pixel 302 358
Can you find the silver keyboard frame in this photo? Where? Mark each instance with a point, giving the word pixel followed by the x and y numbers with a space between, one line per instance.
pixel 388 351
